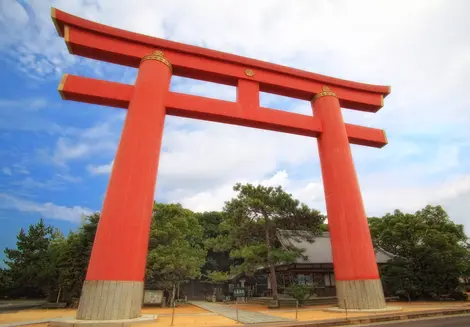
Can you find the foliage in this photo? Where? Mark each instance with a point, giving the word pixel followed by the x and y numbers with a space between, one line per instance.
pixel 431 252
pixel 300 292
pixel 46 261
pixel 31 265
pixel 6 282
pixel 74 254
pixel 250 225
pixel 218 276
pixel 210 221
pixel 176 251
pixel 215 261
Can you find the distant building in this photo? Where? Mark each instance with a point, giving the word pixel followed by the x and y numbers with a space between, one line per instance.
pixel 315 267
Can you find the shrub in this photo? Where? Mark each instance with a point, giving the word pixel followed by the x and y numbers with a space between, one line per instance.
pixel 300 292
pixel 459 295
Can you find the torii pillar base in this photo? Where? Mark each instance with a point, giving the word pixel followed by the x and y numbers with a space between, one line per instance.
pixel 73 322
pixel 360 294
pixel 117 299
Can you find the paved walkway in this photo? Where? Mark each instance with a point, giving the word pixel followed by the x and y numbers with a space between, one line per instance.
pixel 244 316
pixel 31 322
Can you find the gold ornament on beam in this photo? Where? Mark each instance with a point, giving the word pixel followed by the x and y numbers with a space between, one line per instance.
pixel 325 91
pixel 249 72
pixel 158 56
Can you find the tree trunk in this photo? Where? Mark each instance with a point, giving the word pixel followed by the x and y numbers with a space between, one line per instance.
pixel 272 271
pixel 173 293
pixel 58 295
pixel 272 268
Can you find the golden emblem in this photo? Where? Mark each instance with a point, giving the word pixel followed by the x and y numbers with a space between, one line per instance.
pixel 325 91
pixel 158 56
pixel 249 72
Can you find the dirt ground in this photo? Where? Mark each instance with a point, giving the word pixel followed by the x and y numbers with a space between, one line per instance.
pixel 189 315
pixel 201 321
pixel 37 314
pixel 317 313
pixel 180 309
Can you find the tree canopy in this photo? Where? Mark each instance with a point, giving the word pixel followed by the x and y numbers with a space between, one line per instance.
pixel 249 230
pixel 431 252
pixel 72 259
pixel 31 265
pixel 176 251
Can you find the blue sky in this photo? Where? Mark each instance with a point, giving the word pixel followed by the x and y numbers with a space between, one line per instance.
pixel 55 155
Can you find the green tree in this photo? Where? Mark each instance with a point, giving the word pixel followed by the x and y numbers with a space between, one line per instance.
pixel 176 251
pixel 210 221
pixel 32 265
pixel 218 276
pixel 6 283
pixel 217 262
pixel 252 220
pixel 431 252
pixel 73 256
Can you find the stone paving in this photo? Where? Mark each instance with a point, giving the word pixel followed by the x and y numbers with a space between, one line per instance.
pixel 247 317
pixel 22 323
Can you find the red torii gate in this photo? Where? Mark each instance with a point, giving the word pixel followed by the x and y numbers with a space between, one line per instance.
pixel 114 281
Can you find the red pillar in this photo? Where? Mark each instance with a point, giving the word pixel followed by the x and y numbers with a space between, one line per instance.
pixel 114 282
pixel 357 279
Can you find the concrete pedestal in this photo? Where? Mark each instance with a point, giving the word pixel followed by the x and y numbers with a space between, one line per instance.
pixel 360 294
pixel 108 300
pixel 72 322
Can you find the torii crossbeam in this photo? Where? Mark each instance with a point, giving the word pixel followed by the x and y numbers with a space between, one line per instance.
pixel 114 281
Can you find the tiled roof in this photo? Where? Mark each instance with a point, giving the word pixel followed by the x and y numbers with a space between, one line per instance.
pixel 320 250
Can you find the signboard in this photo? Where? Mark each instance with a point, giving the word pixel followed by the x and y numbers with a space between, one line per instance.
pixel 153 297
pixel 239 292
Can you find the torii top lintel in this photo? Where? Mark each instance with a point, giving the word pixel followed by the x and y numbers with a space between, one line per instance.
pixel 109 44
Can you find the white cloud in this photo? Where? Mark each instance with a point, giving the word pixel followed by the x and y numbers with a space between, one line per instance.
pixel 13 12
pixel 7 171
pixel 29 183
pixel 211 154
pixel 214 199
pixel 380 199
pixel 205 89
pixel 25 104
pixel 65 151
pixel 377 200
pixel 96 141
pixel 47 210
pixel 14 110
pixel 452 194
pixel 69 178
pixel 100 169
pixel 20 169
pixel 54 183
